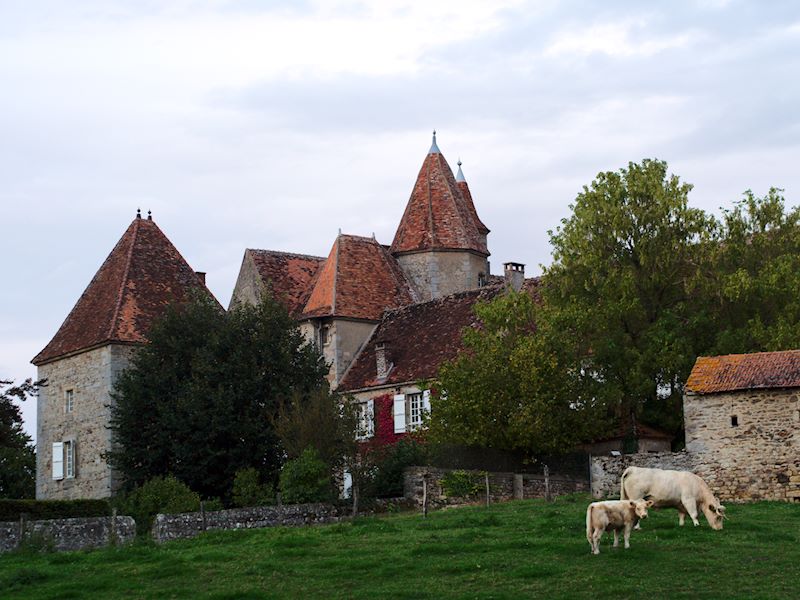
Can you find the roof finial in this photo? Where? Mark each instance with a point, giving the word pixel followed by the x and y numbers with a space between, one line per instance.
pixel 434 148
pixel 138 213
pixel 149 216
pixel 460 174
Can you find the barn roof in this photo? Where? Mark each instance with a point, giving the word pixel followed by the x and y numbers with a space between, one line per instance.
pixel 762 370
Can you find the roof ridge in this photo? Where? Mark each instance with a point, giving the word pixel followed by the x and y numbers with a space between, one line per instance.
pixel 335 273
pixel 283 253
pixel 125 274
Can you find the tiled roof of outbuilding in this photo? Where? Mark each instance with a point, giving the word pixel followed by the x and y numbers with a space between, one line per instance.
pixel 142 275
pixel 712 374
pixel 288 275
pixel 359 280
pixel 437 216
pixel 418 339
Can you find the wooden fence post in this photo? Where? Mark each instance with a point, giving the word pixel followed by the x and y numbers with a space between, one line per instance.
pixel 112 534
pixel 519 487
pixel 547 483
pixel 23 520
pixel 424 496
pixel 203 513
pixel 486 477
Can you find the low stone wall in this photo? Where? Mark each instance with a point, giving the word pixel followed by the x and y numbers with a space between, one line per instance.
pixel 188 525
pixel 67 534
pixel 502 486
pixel 606 471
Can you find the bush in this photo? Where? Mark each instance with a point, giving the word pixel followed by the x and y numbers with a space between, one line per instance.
pixel 305 479
pixel 461 484
pixel 10 510
pixel 387 479
pixel 249 491
pixel 159 495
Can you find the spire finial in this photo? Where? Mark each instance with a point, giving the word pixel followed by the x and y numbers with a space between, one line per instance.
pixel 460 174
pixel 138 213
pixel 434 148
pixel 149 215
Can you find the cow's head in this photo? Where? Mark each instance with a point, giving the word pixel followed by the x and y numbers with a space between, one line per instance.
pixel 715 513
pixel 640 507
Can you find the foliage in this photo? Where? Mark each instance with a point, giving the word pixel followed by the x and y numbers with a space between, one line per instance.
pixel 462 484
pixel 305 479
pixel 249 491
pixel 516 387
pixel 199 399
pixel 17 452
pixel 509 550
pixel 386 480
pixel 11 510
pixel 164 495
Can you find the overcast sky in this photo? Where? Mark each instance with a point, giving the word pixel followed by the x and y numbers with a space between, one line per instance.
pixel 274 124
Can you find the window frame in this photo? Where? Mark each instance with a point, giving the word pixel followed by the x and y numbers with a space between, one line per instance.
pixel 69 400
pixel 365 426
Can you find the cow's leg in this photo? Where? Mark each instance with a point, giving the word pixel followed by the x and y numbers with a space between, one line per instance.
pixel 691 508
pixel 627 535
pixel 596 535
pixel 616 538
pixel 681 517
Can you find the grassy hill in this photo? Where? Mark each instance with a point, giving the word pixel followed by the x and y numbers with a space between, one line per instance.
pixel 512 550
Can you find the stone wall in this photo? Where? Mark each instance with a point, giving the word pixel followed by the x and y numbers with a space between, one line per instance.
pixel 502 486
pixel 68 534
pixel 606 471
pixel 746 444
pixel 188 525
pixel 438 274
pixel 90 375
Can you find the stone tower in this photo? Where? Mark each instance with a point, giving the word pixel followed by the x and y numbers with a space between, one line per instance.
pixel 143 274
pixel 441 244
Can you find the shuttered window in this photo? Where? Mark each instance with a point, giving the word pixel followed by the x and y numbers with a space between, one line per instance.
pixel 69 459
pixel 366 420
pixel 400 413
pixel 58 460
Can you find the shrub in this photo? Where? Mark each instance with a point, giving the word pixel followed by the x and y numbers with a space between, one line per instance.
pixel 10 510
pixel 387 479
pixel 305 479
pixel 461 484
pixel 249 491
pixel 159 495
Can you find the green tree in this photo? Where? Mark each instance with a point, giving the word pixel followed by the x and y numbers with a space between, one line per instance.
pixel 17 456
pixel 199 399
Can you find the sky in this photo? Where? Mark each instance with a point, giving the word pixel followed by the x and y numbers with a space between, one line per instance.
pixel 246 124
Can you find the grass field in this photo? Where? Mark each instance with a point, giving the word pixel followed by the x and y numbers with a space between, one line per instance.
pixel 513 550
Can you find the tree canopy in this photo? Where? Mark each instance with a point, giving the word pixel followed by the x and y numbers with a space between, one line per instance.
pixel 17 456
pixel 199 399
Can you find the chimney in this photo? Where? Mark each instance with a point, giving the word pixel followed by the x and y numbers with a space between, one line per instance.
pixel 201 275
pixel 382 360
pixel 514 274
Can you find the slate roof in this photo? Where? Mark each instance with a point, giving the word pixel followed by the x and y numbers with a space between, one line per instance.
pixel 418 339
pixel 288 275
pixel 437 216
pixel 142 275
pixel 712 374
pixel 359 280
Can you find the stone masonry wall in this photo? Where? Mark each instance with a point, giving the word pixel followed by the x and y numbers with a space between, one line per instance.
pixel 91 376
pixel 68 534
pixel 188 525
pixel 438 274
pixel 606 471
pixel 755 456
pixel 502 486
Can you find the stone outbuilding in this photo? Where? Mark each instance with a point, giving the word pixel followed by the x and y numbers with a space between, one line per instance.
pixel 742 420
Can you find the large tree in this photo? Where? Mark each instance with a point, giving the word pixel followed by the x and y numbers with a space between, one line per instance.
pixel 17 457
pixel 199 399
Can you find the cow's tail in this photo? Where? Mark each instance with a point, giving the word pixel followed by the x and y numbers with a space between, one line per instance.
pixel 622 494
pixel 589 524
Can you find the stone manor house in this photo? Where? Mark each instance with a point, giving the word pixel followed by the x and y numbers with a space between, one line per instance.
pixel 385 318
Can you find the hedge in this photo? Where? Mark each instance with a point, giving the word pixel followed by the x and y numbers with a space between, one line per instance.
pixel 11 510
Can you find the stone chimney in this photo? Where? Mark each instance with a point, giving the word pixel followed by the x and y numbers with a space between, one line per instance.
pixel 202 276
pixel 514 274
pixel 382 363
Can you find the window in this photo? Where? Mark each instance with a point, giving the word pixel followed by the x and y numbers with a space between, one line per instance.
pixel 366 422
pixel 69 397
pixel 734 421
pixel 481 279
pixel 64 459
pixel 69 459
pixel 324 337
pixel 409 409
pixel 415 410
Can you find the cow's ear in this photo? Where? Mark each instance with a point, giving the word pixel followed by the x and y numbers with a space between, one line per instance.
pixel 650 503
pixel 721 509
pixel 632 503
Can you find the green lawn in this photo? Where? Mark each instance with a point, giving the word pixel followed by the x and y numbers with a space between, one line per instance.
pixel 513 550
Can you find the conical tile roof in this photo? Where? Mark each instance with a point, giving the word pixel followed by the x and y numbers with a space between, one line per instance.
pixel 142 275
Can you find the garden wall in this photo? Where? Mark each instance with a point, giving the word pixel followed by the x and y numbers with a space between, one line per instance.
pixel 188 525
pixel 502 486
pixel 606 471
pixel 67 534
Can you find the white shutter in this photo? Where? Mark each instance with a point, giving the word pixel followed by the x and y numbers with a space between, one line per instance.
pixel 58 460
pixel 426 401
pixel 370 418
pixel 400 413
pixel 347 484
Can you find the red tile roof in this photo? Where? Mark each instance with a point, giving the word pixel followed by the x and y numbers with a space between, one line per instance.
pixel 464 189
pixel 359 280
pixel 142 275
pixel 732 372
pixel 288 275
pixel 437 216
pixel 418 339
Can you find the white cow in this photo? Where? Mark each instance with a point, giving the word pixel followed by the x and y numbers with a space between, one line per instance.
pixel 615 515
pixel 677 489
